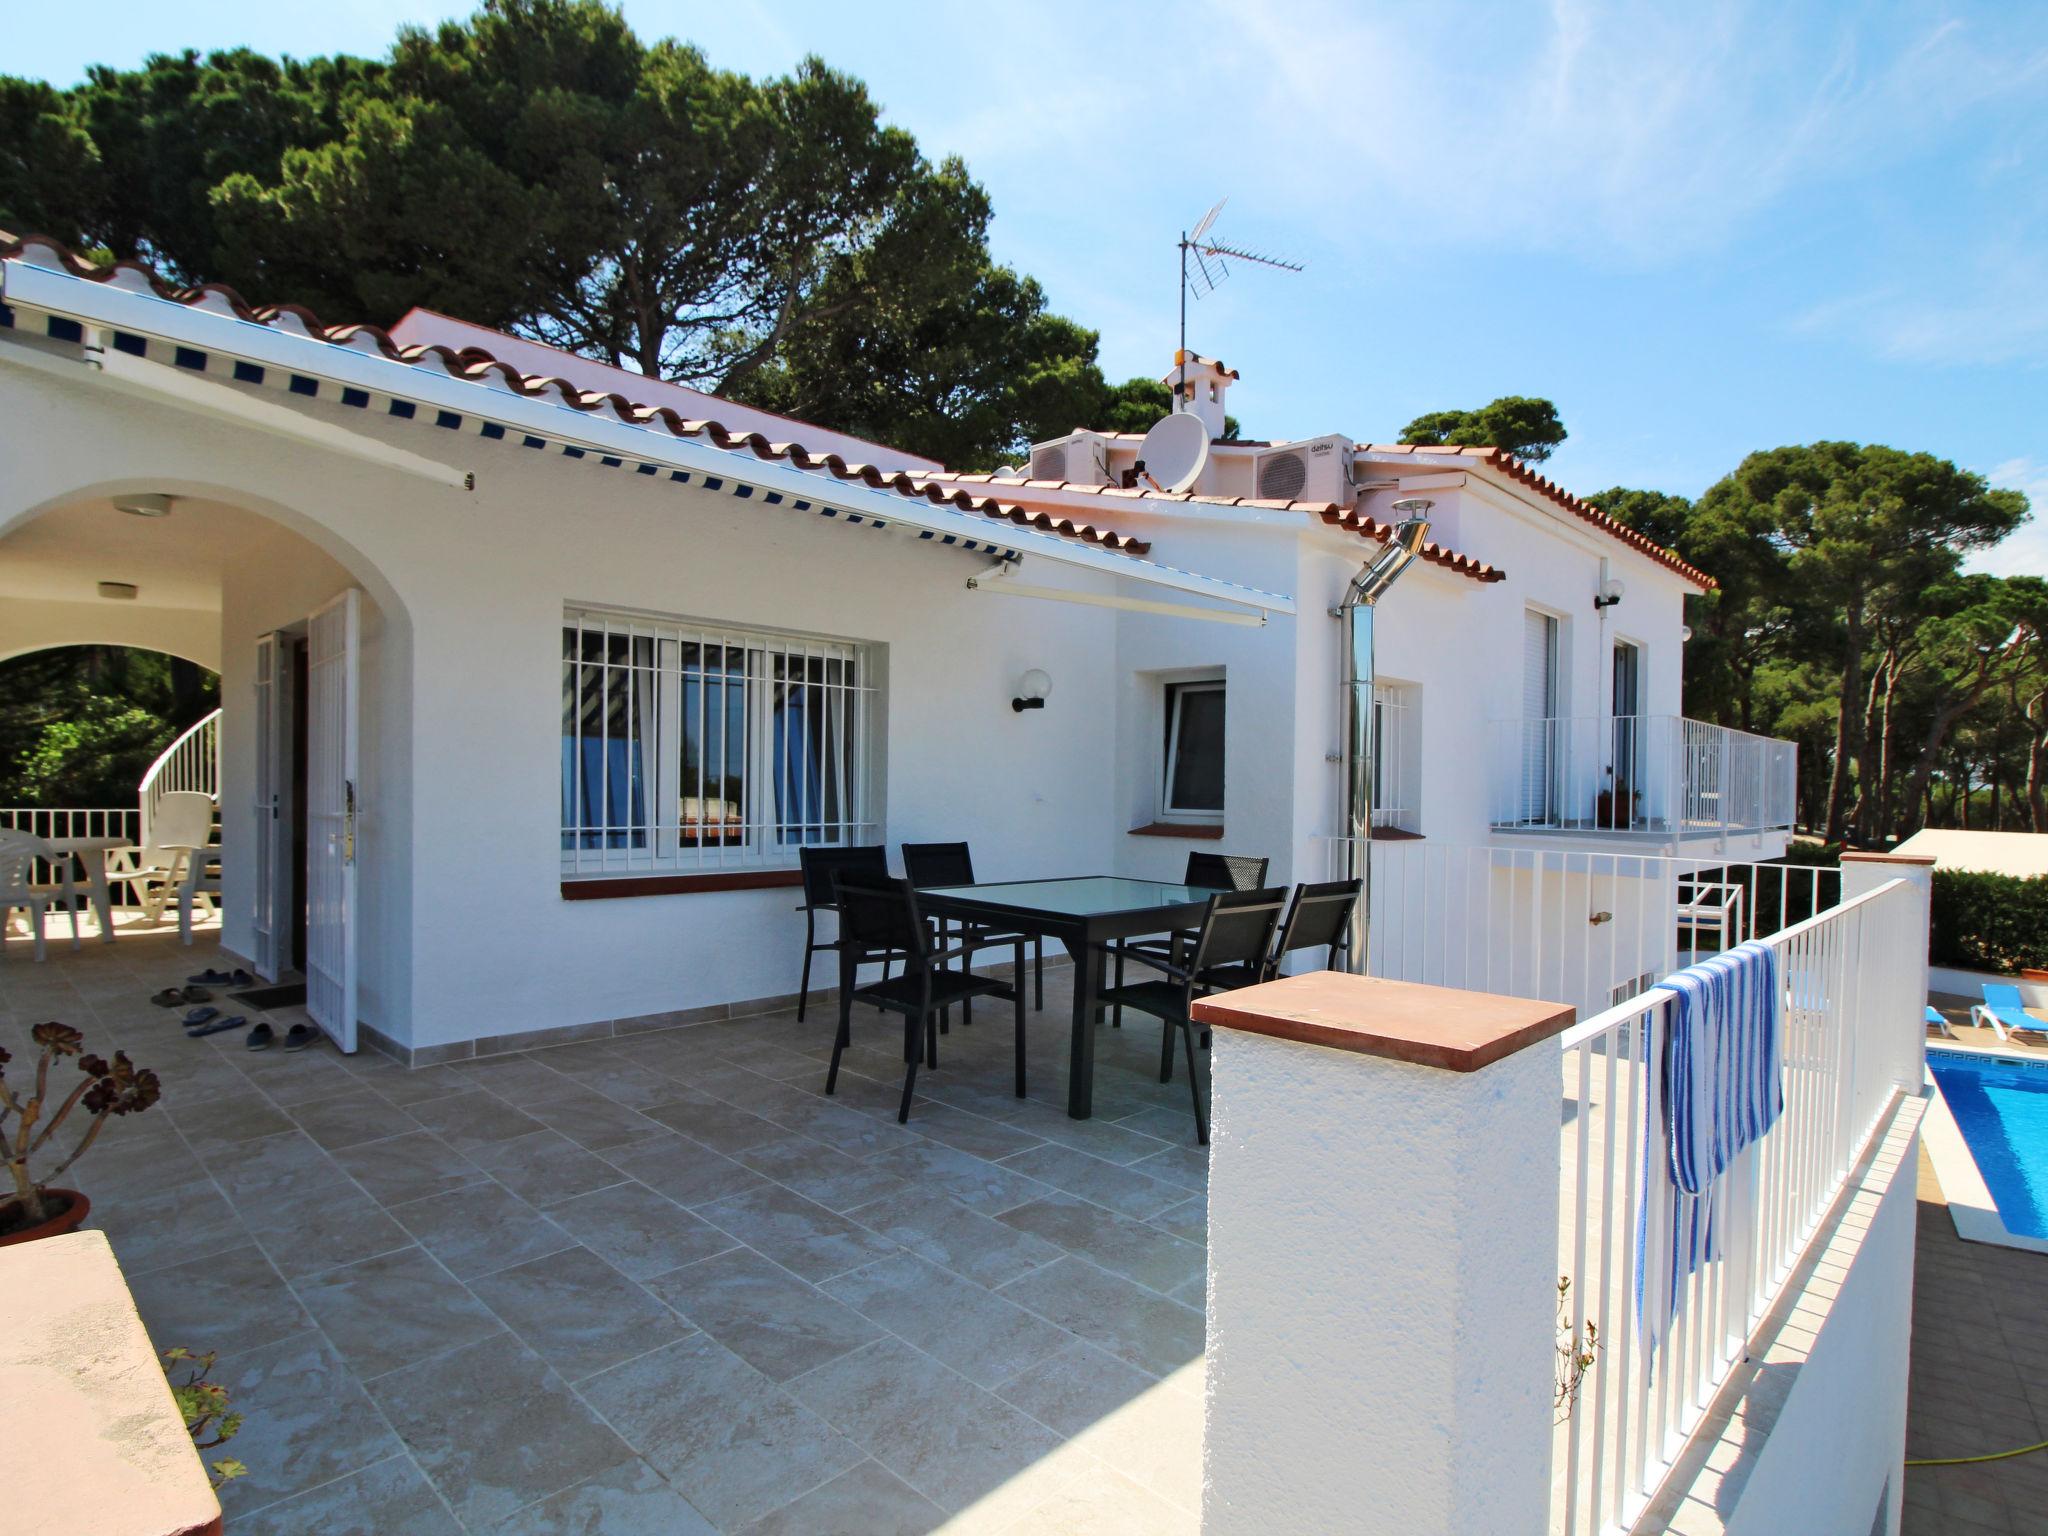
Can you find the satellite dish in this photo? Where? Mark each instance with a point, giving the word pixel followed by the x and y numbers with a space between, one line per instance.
pixel 1176 450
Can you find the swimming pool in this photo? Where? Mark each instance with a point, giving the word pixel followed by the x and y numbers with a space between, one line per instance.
pixel 2000 1104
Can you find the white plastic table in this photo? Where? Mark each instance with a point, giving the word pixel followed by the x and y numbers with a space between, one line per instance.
pixel 66 853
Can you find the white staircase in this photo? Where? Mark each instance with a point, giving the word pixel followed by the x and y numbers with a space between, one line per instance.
pixel 190 762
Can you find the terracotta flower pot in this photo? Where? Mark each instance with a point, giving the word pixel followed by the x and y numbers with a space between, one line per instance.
pixel 69 1219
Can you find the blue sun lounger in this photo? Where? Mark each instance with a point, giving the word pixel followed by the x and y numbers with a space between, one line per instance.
pixel 2003 1012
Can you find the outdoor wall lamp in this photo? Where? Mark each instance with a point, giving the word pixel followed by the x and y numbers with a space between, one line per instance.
pixel 1609 594
pixel 1032 690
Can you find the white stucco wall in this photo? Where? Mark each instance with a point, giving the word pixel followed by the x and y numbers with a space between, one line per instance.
pixel 33 624
pixel 1832 1457
pixel 1381 1292
pixel 465 930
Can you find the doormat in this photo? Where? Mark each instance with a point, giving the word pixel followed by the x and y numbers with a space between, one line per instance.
pixel 290 995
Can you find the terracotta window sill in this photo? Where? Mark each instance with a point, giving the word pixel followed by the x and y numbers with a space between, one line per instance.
pixel 681 885
pixel 1207 832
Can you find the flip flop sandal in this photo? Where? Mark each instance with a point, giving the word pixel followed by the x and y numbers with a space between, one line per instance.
pixel 261 1038
pixel 212 978
pixel 298 1037
pixel 170 997
pixel 197 995
pixel 215 1027
pixel 199 1016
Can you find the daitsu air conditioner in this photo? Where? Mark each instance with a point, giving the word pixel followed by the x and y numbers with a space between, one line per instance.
pixel 1313 469
pixel 1080 458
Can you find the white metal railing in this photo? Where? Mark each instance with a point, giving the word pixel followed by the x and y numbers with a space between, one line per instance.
pixel 1585 928
pixel 123 822
pixel 1639 773
pixel 192 762
pixel 1851 1033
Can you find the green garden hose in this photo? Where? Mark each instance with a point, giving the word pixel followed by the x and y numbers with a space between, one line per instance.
pixel 1964 1461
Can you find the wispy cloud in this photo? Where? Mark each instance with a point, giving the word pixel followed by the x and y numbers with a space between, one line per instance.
pixel 1987 306
pixel 2024 553
pixel 1641 133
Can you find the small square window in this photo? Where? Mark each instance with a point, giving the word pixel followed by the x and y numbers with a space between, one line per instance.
pixel 1192 781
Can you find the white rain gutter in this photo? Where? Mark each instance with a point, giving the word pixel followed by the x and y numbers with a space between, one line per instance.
pixel 998 581
pixel 103 303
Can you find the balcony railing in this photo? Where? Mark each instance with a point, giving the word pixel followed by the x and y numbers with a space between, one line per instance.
pixel 1850 1039
pixel 1647 774
pixel 1580 926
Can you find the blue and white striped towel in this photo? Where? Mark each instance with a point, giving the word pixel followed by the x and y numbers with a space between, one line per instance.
pixel 1717 1088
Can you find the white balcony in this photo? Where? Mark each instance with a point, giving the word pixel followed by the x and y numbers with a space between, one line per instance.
pixel 1648 777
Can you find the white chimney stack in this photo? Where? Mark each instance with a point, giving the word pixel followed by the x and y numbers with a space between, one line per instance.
pixel 1199 385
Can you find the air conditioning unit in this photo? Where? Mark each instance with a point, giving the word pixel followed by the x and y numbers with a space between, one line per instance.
pixel 1313 469
pixel 1080 458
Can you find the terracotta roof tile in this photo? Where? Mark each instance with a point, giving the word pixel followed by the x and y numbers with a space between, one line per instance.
pixel 1505 463
pixel 480 367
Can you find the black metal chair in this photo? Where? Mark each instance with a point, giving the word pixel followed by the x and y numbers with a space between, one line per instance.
pixel 953 864
pixel 1232 948
pixel 1226 871
pixel 1211 872
pixel 1319 917
pixel 821 866
pixel 879 916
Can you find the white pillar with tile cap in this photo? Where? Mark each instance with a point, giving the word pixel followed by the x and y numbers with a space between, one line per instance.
pixel 1864 872
pixel 1383 1219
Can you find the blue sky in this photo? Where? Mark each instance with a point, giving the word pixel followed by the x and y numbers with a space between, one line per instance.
pixel 1700 229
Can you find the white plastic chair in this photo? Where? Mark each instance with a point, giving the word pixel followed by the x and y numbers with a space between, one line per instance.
pixel 18 853
pixel 182 826
pixel 201 884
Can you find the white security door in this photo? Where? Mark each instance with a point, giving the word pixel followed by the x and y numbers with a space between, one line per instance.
pixel 332 645
pixel 271 650
pixel 1539 714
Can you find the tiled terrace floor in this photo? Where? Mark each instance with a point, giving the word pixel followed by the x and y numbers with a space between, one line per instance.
pixel 1979 1381
pixel 661 1285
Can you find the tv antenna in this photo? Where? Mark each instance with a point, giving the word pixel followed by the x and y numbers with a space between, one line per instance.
pixel 1212 257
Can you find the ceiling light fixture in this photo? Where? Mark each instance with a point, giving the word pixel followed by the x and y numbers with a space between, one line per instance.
pixel 119 591
pixel 144 504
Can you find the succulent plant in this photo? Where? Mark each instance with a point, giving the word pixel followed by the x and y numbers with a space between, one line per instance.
pixel 104 1089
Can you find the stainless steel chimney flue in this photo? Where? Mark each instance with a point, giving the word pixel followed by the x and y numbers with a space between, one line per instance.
pixel 1367 588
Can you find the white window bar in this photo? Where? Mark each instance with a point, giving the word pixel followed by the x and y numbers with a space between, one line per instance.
pixel 689 747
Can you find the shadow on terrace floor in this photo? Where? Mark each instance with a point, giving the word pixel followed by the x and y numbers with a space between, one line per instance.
pixel 1979 1380
pixel 661 1284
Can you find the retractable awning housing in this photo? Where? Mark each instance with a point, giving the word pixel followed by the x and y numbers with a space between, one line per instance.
pixel 199 354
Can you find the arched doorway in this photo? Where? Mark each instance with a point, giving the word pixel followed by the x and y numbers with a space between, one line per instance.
pixel 312 651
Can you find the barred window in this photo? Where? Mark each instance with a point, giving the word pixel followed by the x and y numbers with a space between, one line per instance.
pixel 1396 759
pixel 691 747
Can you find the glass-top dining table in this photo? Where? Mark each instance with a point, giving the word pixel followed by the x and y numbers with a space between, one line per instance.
pixel 1086 913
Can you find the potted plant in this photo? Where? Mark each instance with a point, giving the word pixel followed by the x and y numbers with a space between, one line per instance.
pixel 1615 807
pixel 36 1209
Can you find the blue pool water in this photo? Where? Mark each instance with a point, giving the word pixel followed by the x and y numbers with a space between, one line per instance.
pixel 2001 1106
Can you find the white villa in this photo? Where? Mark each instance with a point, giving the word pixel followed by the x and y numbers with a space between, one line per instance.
pixel 573 669
pixel 538 676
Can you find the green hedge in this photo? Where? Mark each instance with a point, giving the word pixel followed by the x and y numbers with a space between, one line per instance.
pixel 1989 922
